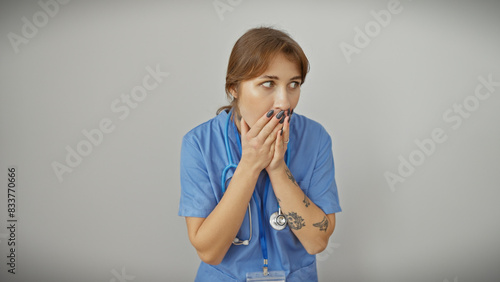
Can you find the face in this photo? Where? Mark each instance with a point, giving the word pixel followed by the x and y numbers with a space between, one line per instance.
pixel 277 88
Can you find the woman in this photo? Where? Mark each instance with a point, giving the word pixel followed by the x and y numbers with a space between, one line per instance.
pixel 282 168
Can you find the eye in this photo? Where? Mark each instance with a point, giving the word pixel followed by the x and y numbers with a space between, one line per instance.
pixel 268 84
pixel 294 85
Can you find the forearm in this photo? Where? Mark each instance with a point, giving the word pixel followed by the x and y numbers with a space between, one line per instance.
pixel 216 233
pixel 306 220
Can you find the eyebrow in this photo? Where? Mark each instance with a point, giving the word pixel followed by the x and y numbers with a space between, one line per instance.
pixel 277 78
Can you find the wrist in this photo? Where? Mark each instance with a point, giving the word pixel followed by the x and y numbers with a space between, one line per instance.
pixel 249 167
pixel 277 169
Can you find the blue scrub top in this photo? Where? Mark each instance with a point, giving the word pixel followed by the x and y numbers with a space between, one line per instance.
pixel 203 157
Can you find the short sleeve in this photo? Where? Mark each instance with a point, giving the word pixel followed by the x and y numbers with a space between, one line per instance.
pixel 323 188
pixel 197 197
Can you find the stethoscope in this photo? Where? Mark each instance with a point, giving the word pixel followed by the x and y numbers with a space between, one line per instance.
pixel 277 220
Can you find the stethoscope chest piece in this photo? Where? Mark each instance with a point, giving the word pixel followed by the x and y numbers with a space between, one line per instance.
pixel 278 220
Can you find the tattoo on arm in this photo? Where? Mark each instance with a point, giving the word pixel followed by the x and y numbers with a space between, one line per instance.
pixel 306 201
pixel 295 221
pixel 323 225
pixel 290 176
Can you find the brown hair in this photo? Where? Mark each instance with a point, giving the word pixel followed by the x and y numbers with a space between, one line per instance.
pixel 252 54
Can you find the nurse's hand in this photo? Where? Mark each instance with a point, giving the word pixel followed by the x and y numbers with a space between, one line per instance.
pixel 278 161
pixel 257 143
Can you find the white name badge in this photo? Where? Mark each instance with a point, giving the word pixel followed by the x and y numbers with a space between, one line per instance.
pixel 273 276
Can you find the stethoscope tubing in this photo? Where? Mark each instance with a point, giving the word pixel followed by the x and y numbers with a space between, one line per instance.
pixel 232 165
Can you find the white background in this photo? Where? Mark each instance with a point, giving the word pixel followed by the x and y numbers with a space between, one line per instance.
pixel 115 215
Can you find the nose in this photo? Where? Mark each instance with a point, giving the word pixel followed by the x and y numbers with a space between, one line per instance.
pixel 282 100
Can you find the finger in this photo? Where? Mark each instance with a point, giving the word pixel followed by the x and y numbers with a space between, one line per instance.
pixel 271 126
pixel 286 131
pixel 273 135
pixel 261 122
pixel 280 140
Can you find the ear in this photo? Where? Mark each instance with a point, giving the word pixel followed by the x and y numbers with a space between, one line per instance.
pixel 233 93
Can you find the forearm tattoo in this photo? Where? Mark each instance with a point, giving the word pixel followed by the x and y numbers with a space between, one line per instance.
pixel 295 221
pixel 323 225
pixel 306 201
pixel 290 176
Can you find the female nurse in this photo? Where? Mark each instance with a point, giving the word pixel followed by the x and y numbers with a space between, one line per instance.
pixel 255 161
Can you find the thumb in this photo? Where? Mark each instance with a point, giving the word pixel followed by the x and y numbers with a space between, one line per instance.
pixel 244 127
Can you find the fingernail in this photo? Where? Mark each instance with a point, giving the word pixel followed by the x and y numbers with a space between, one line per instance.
pixel 270 113
pixel 280 114
pixel 281 133
pixel 282 119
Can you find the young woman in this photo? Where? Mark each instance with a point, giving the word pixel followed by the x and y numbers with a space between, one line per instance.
pixel 258 187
